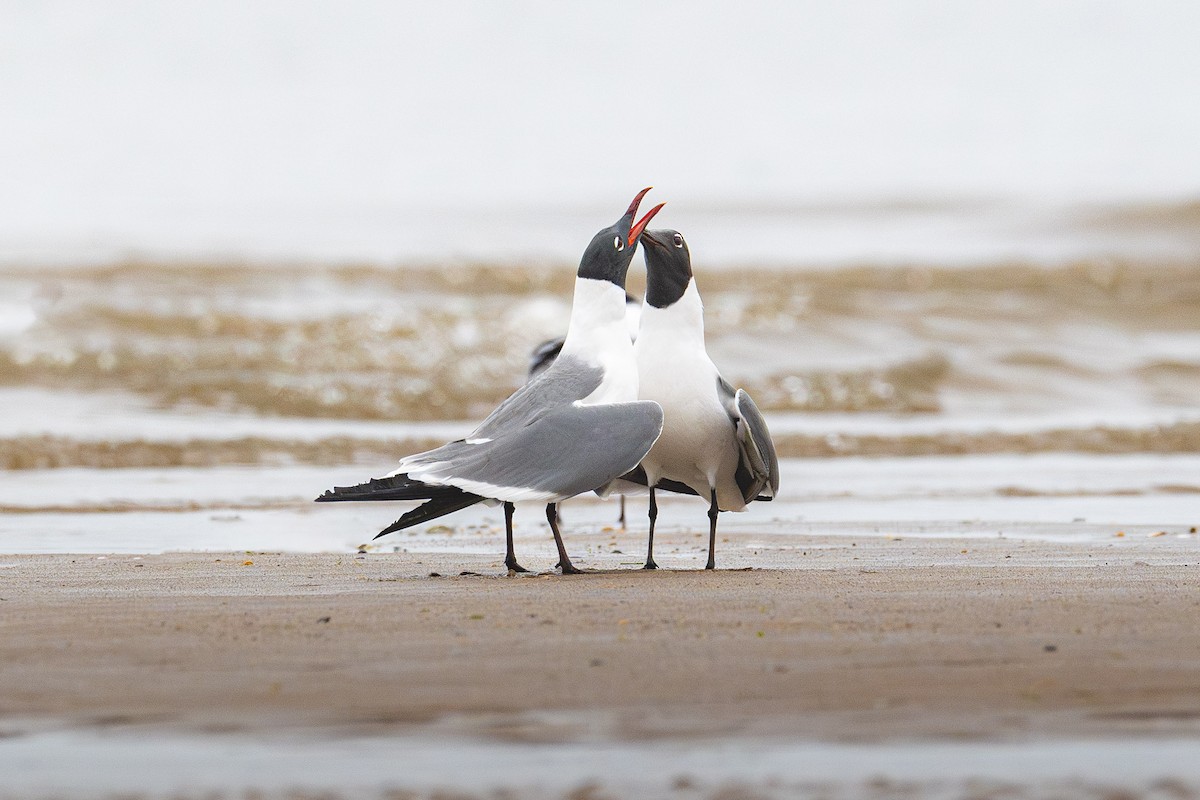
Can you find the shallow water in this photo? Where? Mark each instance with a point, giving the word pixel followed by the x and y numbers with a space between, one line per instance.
pixel 168 406
pixel 1152 501
pixel 116 762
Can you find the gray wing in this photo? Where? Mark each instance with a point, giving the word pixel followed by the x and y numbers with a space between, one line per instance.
pixel 566 380
pixel 758 465
pixel 539 445
pixel 756 444
pixel 565 451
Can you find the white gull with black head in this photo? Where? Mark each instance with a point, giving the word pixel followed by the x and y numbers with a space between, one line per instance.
pixel 714 441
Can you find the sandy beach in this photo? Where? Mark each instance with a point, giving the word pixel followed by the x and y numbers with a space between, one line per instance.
pixel 861 639
pixel 867 640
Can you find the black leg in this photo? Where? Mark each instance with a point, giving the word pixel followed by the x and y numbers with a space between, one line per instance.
pixel 621 519
pixel 558 518
pixel 564 561
pixel 712 532
pixel 650 545
pixel 510 556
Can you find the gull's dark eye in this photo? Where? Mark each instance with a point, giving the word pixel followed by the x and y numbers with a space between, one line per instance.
pixel 678 240
pixel 617 243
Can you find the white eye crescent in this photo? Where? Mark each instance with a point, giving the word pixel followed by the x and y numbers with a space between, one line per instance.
pixel 617 243
pixel 678 240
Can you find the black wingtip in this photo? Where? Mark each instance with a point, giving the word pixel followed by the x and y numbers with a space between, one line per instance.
pixel 392 487
pixel 432 509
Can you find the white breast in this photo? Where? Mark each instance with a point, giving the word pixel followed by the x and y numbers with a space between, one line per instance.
pixel 697 445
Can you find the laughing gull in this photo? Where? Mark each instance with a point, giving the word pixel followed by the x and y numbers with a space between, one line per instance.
pixel 714 441
pixel 573 429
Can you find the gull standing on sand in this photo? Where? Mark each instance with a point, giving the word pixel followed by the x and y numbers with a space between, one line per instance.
pixel 573 429
pixel 714 440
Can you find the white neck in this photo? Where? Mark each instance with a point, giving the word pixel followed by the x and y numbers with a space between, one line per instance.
pixel 598 335
pixel 681 322
pixel 597 314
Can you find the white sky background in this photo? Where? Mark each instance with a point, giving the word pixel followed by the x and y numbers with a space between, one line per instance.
pixel 245 127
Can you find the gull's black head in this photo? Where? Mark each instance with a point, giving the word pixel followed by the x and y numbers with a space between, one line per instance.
pixel 668 267
pixel 608 255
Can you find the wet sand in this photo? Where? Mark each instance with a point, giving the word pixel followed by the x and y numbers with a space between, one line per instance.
pixel 855 640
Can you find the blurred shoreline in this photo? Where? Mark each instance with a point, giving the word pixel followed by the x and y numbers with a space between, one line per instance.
pixel 243 390
pixel 804 234
pixel 1095 338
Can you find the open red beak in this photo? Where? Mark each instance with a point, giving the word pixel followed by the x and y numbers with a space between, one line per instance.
pixel 637 229
pixel 637 201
